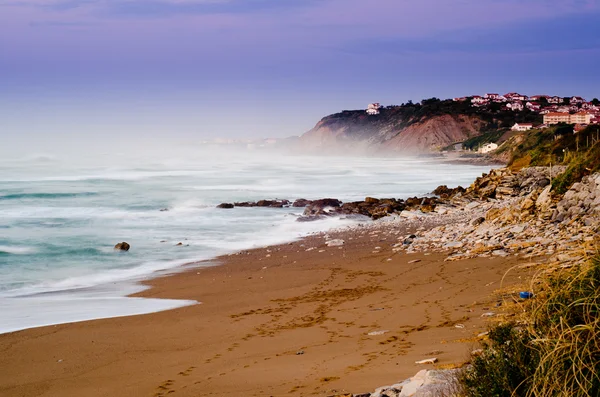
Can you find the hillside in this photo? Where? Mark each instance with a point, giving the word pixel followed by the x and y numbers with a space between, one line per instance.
pixel 424 127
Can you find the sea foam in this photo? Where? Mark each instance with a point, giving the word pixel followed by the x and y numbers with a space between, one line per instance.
pixel 60 221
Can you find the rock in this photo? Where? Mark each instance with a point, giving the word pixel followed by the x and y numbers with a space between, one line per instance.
pixel 273 203
pixel 427 361
pixel 225 206
pixel 445 193
pixel 300 352
pixel 326 206
pixel 544 200
pixel 122 246
pixel 477 221
pixel 301 203
pixel 378 333
pixel 335 243
pixel 245 204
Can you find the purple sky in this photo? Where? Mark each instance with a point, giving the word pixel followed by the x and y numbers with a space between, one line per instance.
pixel 249 68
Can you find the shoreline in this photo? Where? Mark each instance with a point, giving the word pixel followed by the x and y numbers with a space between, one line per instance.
pixel 260 319
pixel 314 317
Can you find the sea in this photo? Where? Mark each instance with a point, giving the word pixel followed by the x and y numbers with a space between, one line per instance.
pixel 60 217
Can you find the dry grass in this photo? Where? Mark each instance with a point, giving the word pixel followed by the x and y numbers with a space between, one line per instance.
pixel 553 350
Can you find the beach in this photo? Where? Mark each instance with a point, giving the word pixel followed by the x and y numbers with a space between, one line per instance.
pixel 295 319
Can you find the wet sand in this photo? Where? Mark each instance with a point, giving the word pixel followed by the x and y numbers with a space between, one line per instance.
pixel 274 321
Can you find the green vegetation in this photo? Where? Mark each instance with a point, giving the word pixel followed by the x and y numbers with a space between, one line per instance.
pixel 555 351
pixel 480 140
pixel 493 117
pixel 559 145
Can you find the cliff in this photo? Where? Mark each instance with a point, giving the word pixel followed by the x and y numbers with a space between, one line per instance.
pixel 426 127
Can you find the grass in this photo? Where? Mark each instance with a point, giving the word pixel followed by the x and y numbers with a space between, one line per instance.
pixel 554 352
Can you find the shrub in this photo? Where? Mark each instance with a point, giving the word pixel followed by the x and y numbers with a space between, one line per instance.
pixel 556 354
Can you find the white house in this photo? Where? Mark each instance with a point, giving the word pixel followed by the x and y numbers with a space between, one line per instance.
pixel 555 99
pixel 533 106
pixel 479 100
pixel 515 106
pixel 576 100
pixel 492 96
pixel 490 147
pixel 373 108
pixel 515 96
pixel 522 127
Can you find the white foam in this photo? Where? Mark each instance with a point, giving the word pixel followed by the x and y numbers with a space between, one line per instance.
pixel 77 233
pixel 17 250
pixel 24 313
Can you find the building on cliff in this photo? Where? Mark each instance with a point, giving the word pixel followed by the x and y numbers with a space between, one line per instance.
pixel 490 147
pixel 373 108
pixel 577 118
pixel 522 127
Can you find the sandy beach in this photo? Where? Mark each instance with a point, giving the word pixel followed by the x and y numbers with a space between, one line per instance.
pixel 295 319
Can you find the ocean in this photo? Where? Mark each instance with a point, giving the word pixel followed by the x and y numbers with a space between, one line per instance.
pixel 60 219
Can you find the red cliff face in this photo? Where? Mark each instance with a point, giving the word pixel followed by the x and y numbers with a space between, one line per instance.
pixel 434 134
pixel 361 134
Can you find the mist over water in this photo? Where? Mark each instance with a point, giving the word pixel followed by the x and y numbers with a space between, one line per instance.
pixel 60 217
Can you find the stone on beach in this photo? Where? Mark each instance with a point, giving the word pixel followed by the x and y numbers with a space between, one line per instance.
pixel 335 243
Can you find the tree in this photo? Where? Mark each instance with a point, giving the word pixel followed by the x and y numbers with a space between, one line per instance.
pixel 595 102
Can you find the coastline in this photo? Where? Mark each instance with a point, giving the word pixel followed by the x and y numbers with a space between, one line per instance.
pixel 260 308
pixel 314 317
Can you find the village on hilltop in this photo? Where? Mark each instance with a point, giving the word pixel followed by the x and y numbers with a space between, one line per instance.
pixel 555 109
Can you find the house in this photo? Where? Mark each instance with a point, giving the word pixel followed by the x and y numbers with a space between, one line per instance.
pixel 478 99
pixel 577 100
pixel 589 106
pixel 563 109
pixel 490 147
pixel 538 97
pixel 514 96
pixel 533 106
pixel 515 106
pixel 485 102
pixel 461 99
pixel 492 96
pixel 500 99
pixel 522 127
pixel 555 99
pixel 580 118
pixel 373 108
pixel 557 117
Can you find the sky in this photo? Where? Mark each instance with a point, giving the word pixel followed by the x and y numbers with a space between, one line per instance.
pixel 198 69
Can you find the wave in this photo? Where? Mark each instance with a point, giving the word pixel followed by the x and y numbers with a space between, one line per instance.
pixel 45 196
pixel 12 250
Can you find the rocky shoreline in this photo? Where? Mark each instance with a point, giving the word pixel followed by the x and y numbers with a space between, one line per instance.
pixel 503 213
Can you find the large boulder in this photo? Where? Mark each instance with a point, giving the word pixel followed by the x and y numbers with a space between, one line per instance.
pixel 301 203
pixel 444 192
pixel 122 247
pixel 225 206
pixel 327 206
